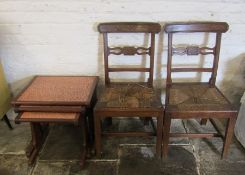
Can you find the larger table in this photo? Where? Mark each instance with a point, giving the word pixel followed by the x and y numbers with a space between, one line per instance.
pixel 56 99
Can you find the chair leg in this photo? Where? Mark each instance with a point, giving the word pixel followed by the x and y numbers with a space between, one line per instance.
pixel 228 135
pixel 84 134
pixel 159 134
pixel 90 126
pixel 5 118
pixel 204 121
pixel 97 128
pixel 166 133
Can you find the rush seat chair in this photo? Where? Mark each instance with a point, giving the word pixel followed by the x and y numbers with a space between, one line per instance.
pixel 128 99
pixel 185 100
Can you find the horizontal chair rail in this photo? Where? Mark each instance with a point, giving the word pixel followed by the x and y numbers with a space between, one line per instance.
pixel 50 108
pixel 192 69
pixel 18 120
pixel 129 69
pixel 129 27
pixel 128 134
pixel 195 135
pixel 197 27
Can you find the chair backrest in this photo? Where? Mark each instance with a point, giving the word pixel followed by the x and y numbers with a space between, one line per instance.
pixel 129 27
pixel 206 27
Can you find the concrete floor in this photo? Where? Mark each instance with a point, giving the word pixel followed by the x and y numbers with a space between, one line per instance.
pixel 124 156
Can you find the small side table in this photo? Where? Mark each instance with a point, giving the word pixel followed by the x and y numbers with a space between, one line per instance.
pixel 39 122
pixel 57 99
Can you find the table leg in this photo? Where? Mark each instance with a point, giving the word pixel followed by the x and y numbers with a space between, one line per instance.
pixel 39 133
pixel 90 124
pixel 84 134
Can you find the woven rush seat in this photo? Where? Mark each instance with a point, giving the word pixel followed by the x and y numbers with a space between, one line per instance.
pixel 58 90
pixel 129 96
pixel 196 97
pixel 47 117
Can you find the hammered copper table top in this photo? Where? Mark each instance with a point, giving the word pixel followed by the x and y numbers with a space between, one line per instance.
pixel 58 90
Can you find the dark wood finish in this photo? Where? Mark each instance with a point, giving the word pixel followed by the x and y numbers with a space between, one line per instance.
pixel 149 28
pixel 129 27
pixel 39 132
pixel 128 99
pixel 128 69
pixel 193 50
pixel 129 50
pixel 6 120
pixel 196 100
pixel 214 27
pixel 23 108
pixel 192 69
pixel 83 110
pixel 195 135
pixel 75 120
pixel 128 134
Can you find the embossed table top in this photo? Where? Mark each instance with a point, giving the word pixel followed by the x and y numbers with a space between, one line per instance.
pixel 58 90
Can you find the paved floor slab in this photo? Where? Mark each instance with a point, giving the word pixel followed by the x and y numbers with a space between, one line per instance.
pixel 52 168
pixel 177 126
pixel 14 165
pixel 73 168
pixel 142 161
pixel 63 143
pixel 14 141
pixel 95 168
pixel 208 153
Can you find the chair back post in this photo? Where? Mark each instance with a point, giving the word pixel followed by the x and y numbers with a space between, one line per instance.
pixel 169 65
pixel 212 80
pixel 106 61
pixel 129 27
pixel 152 51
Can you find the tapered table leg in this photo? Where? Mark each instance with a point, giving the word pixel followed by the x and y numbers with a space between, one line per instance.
pixel 39 134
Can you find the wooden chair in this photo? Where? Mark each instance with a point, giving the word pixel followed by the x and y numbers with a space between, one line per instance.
pixel 196 100
pixel 128 99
